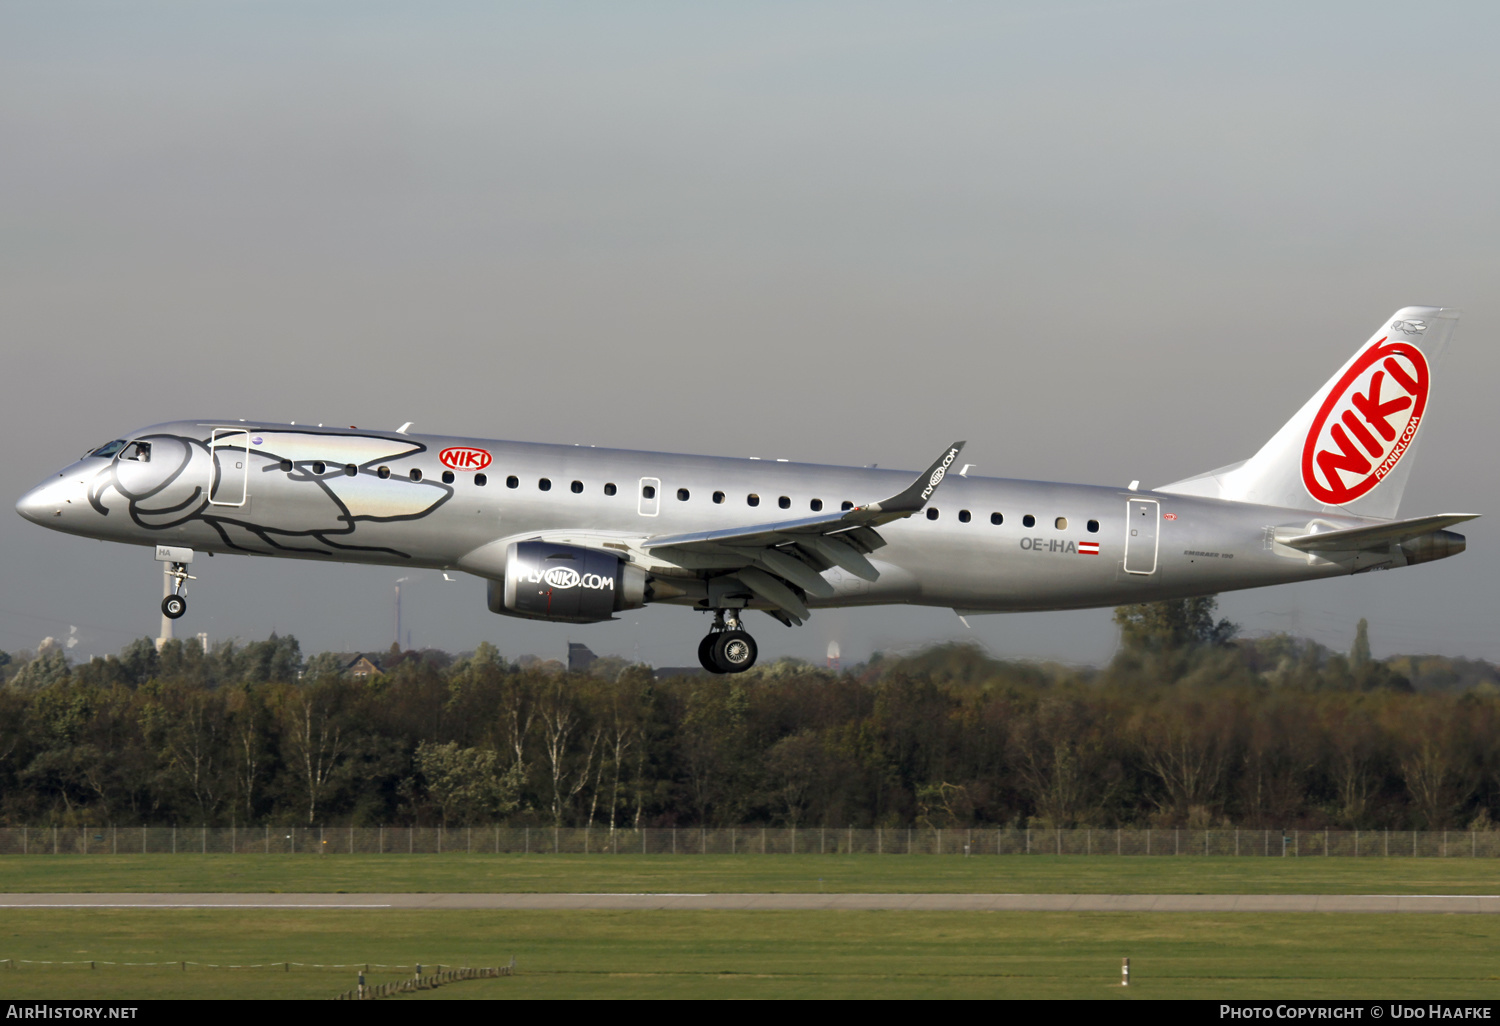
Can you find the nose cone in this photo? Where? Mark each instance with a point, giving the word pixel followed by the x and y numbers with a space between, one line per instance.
pixel 47 504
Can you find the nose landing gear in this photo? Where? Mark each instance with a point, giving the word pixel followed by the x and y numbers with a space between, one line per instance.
pixel 727 648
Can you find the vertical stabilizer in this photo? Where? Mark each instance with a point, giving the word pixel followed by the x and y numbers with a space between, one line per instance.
pixel 1350 448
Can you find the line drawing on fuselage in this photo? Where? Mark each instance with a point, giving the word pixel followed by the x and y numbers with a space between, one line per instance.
pixel 577 534
pixel 175 484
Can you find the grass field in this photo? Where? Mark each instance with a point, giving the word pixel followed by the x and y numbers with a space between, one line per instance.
pixel 766 954
pixel 1067 874
pixel 755 954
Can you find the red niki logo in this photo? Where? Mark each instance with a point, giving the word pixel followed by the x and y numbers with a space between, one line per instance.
pixel 461 457
pixel 1366 424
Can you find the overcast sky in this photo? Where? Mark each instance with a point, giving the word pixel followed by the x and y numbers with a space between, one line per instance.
pixel 1101 241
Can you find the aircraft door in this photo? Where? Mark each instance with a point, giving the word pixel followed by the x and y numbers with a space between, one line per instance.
pixel 229 466
pixel 1142 516
pixel 650 496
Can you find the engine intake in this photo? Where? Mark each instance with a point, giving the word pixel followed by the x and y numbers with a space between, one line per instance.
pixel 565 583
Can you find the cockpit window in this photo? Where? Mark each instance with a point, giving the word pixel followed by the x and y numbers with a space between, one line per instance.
pixel 140 452
pixel 108 449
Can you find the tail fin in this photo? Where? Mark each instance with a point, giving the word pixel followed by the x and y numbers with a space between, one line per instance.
pixel 1349 449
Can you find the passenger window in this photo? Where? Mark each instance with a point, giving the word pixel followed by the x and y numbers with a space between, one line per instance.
pixel 610 489
pixel 846 504
pixel 963 516
pixel 682 495
pixel 447 477
pixel 320 467
pixel 648 491
pixel 350 470
pixel 415 475
pixel 1093 527
pixel 997 518
pixel 752 499
pixel 784 502
pixel 481 480
pixel 544 484
pixel 932 513
pixel 817 505
pixel 1029 520
pixel 718 497
pixel 1061 523
pixel 513 481
pixel 577 487
pixel 382 473
pixel 286 465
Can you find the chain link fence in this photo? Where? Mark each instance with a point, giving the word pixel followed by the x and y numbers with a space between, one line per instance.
pixel 751 840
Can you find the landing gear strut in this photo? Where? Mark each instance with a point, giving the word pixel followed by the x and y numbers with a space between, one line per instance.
pixel 727 648
pixel 174 605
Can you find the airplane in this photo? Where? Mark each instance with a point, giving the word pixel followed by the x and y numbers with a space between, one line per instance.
pixel 576 534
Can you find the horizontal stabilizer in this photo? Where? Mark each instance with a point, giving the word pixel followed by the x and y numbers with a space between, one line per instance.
pixel 1355 539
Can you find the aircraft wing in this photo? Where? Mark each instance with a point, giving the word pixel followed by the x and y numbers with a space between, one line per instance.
pixel 782 562
pixel 1355 539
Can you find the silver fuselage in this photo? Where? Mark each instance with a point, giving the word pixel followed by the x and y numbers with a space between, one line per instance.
pixel 293 495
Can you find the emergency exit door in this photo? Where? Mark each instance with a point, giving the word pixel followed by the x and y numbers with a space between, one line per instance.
pixel 1141 520
pixel 230 466
pixel 650 496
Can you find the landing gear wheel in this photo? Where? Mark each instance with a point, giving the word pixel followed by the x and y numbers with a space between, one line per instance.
pixel 706 653
pixel 173 606
pixel 733 651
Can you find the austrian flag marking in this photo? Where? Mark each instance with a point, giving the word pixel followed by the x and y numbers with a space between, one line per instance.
pixel 1088 548
pixel 462 457
pixel 1367 423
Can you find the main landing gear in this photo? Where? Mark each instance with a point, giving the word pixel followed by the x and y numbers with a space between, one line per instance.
pixel 727 648
pixel 174 605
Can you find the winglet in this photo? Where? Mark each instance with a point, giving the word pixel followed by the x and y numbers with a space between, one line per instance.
pixel 919 491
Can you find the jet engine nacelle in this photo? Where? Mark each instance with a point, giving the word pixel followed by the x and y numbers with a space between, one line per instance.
pixel 566 583
pixel 1437 545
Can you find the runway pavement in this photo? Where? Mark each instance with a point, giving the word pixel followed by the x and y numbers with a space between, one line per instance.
pixel 1488 904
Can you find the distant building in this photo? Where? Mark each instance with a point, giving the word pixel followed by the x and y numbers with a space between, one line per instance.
pixel 580 658
pixel 361 668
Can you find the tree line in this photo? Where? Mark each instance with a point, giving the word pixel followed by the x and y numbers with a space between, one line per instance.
pixel 1186 726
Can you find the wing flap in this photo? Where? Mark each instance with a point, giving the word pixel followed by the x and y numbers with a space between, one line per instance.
pixel 773 591
pixel 790 568
pixel 842 555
